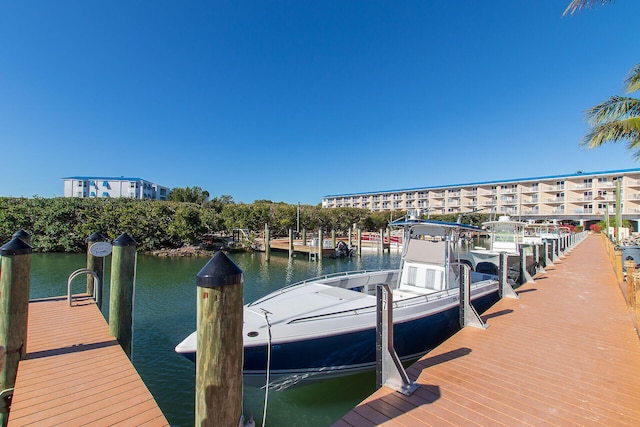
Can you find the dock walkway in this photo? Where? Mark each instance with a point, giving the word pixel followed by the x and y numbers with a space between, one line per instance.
pixel 75 373
pixel 565 353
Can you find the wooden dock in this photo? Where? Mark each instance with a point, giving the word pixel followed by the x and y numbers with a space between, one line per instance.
pixel 75 373
pixel 283 245
pixel 565 353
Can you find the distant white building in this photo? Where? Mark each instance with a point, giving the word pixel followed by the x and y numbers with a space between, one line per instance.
pixel 581 196
pixel 100 186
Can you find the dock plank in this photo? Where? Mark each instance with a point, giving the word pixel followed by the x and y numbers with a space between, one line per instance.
pixel 565 353
pixel 75 373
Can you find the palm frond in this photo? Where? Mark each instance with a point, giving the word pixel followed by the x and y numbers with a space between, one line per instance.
pixel 614 109
pixel 632 83
pixel 578 5
pixel 623 130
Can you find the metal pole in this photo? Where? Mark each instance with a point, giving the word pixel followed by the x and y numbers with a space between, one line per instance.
pixel 95 264
pixel 389 369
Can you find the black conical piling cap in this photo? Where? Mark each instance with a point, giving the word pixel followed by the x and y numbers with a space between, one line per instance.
pixel 219 271
pixel 96 237
pixel 21 234
pixel 124 240
pixel 15 246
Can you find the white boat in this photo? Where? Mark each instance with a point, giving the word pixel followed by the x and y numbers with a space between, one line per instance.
pixel 505 236
pixel 325 327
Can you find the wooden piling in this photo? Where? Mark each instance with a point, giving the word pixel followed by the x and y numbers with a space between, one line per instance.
pixel 359 239
pixel 333 238
pixel 95 263
pixel 267 242
pixel 617 265
pixel 304 236
pixel 381 240
pixel 630 266
pixel 123 266
pixel 14 309
pixel 290 242
pixel 636 297
pixel 21 234
pixel 219 352
pixel 320 243
pixel 389 240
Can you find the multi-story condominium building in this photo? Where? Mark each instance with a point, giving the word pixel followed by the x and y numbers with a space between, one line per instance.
pixel 582 196
pixel 99 186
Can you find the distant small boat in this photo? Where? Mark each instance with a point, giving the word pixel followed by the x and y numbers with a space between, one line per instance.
pixel 326 327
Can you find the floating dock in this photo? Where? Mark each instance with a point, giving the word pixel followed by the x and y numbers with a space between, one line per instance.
pixel 75 373
pixel 566 353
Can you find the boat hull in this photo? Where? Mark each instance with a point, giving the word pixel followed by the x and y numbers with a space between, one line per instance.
pixel 299 362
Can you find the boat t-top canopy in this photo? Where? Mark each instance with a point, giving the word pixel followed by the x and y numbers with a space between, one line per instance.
pixel 426 227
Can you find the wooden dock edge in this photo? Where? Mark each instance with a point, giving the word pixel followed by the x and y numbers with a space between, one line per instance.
pixel 75 373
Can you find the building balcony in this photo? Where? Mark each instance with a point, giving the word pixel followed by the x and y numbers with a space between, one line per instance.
pixel 525 189
pixel 582 211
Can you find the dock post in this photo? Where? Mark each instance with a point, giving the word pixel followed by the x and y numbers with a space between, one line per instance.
pixel 547 259
pixel 389 239
pixel 96 264
pixel 290 242
pixel 333 238
pixel 504 288
pixel 636 287
pixel 14 310
pixel 351 236
pixel 219 351
pixel 320 243
pixel 123 268
pixel 630 266
pixel 267 242
pixel 389 369
pixel 536 259
pixel 525 277
pixel 468 315
pixel 304 237
pixel 21 234
pixel 381 241
pixel 359 238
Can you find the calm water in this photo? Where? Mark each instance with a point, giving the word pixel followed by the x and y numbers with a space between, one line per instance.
pixel 165 304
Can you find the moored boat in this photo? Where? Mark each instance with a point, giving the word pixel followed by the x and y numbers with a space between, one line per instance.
pixel 325 327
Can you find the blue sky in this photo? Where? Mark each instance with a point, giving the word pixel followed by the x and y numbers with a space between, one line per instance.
pixel 294 100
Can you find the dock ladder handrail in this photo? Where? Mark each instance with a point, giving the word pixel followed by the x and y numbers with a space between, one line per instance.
pixel 96 283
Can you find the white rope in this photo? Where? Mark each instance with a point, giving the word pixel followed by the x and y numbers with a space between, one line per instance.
pixel 266 388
